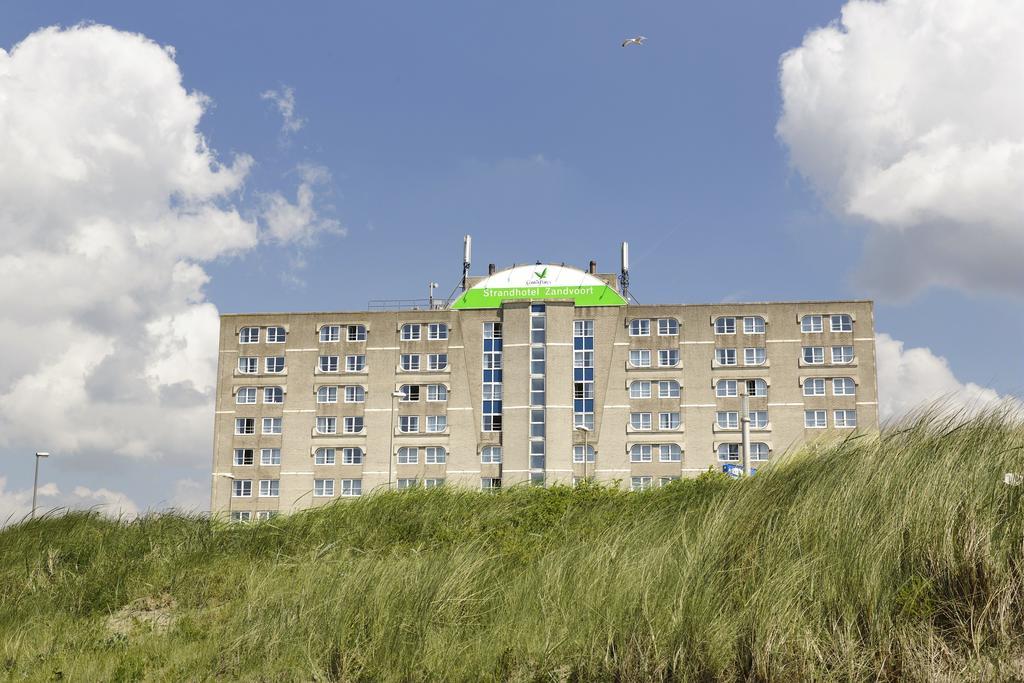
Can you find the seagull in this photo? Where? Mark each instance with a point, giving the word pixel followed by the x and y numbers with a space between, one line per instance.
pixel 639 40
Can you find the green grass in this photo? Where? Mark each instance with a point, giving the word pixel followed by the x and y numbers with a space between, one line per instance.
pixel 897 556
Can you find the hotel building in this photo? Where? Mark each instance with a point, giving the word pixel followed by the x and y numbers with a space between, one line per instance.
pixel 538 374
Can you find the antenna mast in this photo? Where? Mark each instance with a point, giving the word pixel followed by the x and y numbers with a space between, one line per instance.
pixel 467 248
pixel 624 275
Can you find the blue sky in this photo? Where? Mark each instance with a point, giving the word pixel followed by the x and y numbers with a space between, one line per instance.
pixel 526 125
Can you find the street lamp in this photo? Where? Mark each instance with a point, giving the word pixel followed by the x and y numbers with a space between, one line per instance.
pixel 395 395
pixel 35 482
pixel 586 447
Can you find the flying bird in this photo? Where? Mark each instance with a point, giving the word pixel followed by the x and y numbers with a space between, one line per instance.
pixel 639 40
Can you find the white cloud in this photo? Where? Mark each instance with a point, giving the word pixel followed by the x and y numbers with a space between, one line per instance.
pixel 910 379
pixel 15 505
pixel 909 115
pixel 110 202
pixel 284 100
pixel 191 495
pixel 299 221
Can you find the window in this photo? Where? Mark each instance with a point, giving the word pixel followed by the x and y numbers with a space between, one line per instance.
pixel 264 515
pixel 355 363
pixel 726 325
pixel 408 455
pixel 240 515
pixel 492 378
pixel 437 392
pixel 245 425
pixel 815 419
pixel 538 358
pixel 242 488
pixel 355 393
pixel 249 335
pixel 640 420
pixel 758 452
pixel 490 483
pixel 410 362
pixel 408 424
pixel 668 327
pixel 758 419
pixel 353 425
pixel 668 420
pixel 537 455
pixel 537 423
pixel 754 356
pixel 273 394
pixel 330 333
pixel 814 386
pixel 726 388
pixel 243 457
pixel 640 452
pixel 248 365
pixel 246 395
pixel 670 452
pixel 323 488
pixel 276 335
pixel 536 391
pixel 725 356
pixel 274 364
pixel 579 450
pixel 435 455
pixel 351 487
pixel 640 358
pixel 326 425
pixel 728 452
pixel 270 456
pixel 668 357
pixel 324 456
pixel 583 328
pixel 351 456
pixel 404 484
pixel 813 355
pixel 437 361
pixel 411 332
pixel 841 322
pixel 640 327
pixel 270 488
pixel 753 324
pixel 727 419
pixel 538 324
pixel 811 323
pixel 490 454
pixel 437 331
pixel 842 354
pixel 582 359
pixel 844 386
pixel 640 389
pixel 844 419
pixel 668 388
pixel 432 483
pixel 757 387
pixel 665 481
pixel 356 333
pixel 411 393
pixel 642 483
pixel 437 423
pixel 328 364
pixel 327 394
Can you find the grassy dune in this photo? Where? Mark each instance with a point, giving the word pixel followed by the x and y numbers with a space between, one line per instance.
pixel 899 556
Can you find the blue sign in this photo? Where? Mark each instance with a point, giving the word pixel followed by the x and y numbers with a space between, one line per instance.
pixel 734 471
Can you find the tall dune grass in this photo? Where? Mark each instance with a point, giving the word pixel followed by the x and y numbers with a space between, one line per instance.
pixel 892 556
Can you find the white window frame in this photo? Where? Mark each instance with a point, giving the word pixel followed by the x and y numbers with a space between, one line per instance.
pixel 725 324
pixel 816 353
pixel 640 327
pixel 490 455
pixel 751 357
pixel 641 357
pixel 352 455
pixel 752 326
pixel 641 482
pixel 639 385
pixel 241 488
pixel 665 420
pixel 756 421
pixel 411 332
pixel 409 362
pixel 408 455
pixel 270 457
pixel 675 452
pixel 239 456
pixel 732 452
pixel 358 393
pixel 432 362
pixel 249 365
pixel 409 421
pixel 437 419
pixel 846 382
pixel 330 334
pixel 643 419
pixel 726 383
pixel 490 483
pixel 355 333
pixel 355 362
pixel 276 425
pixel 670 353
pixel 435 455
pixel 812 323
pixel 323 488
pixel 673 388
pixel 841 359
pixel 845 322
pixel 811 419
pixel 814 384
pixel 327 364
pixel 351 488
pixel 246 392
pixel 326 424
pixel 756 454
pixel 641 452
pixel 273 339
pixel 241 423
pixel 845 422
pixel 668 327
pixel 437 331
pixel 273 392
pixel 325 456
pixel 266 365
pixel 247 336
pixel 327 394
pixel 724 355
pixel 727 419
pixel 270 488
pixel 437 393
pixel 351 422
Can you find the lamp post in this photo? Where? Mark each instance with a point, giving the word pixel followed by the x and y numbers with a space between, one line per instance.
pixel 586 447
pixel 35 482
pixel 231 488
pixel 395 396
pixel 745 431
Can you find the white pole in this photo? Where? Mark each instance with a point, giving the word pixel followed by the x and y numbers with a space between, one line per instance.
pixel 745 424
